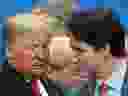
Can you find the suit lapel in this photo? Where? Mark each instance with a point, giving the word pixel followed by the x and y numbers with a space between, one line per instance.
pixel 124 88
pixel 52 89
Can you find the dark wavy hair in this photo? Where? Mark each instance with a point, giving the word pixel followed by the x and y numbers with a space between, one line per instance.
pixel 97 31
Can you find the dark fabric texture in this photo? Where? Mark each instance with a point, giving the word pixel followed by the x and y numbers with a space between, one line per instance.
pixel 12 87
pixel 8 67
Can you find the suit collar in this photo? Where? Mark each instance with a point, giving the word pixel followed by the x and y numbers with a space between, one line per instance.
pixel 120 73
pixel 42 89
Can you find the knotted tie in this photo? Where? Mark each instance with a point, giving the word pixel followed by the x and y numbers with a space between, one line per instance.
pixel 104 89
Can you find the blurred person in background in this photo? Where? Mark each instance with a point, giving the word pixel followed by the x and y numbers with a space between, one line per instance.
pixel 20 49
pixel 9 71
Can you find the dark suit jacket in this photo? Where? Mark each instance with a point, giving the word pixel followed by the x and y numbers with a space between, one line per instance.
pixel 11 87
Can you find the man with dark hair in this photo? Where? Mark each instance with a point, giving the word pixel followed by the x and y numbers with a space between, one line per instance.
pixel 104 35
pixel 97 30
pixel 92 46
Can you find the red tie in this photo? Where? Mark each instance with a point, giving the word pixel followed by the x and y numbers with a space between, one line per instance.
pixel 35 88
pixel 104 89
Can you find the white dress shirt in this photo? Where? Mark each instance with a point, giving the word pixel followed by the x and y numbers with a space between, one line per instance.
pixel 42 89
pixel 118 77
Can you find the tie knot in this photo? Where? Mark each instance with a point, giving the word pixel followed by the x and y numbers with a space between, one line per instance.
pixel 104 85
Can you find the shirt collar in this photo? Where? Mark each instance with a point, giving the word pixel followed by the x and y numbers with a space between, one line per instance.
pixel 117 75
pixel 42 89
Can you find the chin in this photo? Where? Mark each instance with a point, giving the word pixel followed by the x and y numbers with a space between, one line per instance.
pixel 101 75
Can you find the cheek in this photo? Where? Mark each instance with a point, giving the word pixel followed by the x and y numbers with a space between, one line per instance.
pixel 23 59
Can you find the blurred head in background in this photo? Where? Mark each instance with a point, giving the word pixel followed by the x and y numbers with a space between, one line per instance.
pixel 21 35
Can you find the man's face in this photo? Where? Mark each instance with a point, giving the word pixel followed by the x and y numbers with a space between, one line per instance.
pixel 68 55
pixel 73 61
pixel 22 35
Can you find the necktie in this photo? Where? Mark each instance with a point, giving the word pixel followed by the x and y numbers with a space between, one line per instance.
pixel 104 89
pixel 35 88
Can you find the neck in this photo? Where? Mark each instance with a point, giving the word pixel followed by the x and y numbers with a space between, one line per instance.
pixel 104 71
